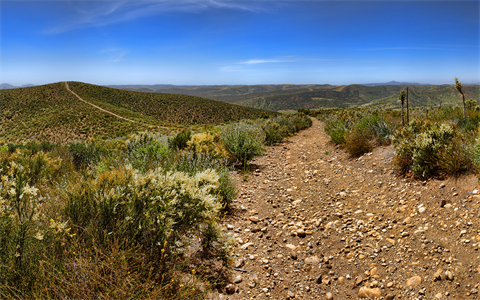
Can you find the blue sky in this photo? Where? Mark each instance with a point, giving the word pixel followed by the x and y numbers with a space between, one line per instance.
pixel 239 42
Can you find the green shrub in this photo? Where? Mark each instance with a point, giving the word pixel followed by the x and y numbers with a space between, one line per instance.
pixel 273 132
pixel 421 146
pixel 243 141
pixel 428 145
pixel 146 151
pixel 358 142
pixel 384 131
pixel 180 141
pixel 84 155
pixel 457 156
pixel 337 129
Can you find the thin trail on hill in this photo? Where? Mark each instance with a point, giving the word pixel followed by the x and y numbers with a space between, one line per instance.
pixel 98 107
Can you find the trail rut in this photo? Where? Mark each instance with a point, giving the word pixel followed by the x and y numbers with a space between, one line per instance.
pixel 97 107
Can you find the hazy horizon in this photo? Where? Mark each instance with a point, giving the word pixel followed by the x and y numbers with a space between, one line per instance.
pixel 231 42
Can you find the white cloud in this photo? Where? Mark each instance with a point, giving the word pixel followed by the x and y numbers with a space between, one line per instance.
pixel 101 13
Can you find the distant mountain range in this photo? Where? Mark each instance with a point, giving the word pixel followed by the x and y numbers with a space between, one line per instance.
pixel 9 86
pixel 282 97
pixel 395 83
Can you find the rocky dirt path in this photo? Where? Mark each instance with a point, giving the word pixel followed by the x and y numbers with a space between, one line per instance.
pixel 312 223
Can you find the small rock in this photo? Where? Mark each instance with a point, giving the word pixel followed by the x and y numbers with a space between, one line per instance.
pixel 319 279
pixel 245 246
pixel 254 219
pixel 329 296
pixel 238 279
pixel 366 292
pixel 390 284
pixel 359 280
pixel 341 280
pixel 414 281
pixel 443 202
pixel 312 260
pixel 422 209
pixel 255 229
pixel 449 275
pixel 442 185
pixel 301 233
pixel 290 294
pixel 290 246
pixel 390 297
pixel 293 255
pixel 230 289
pixel 239 263
pixel 230 227
pixel 438 275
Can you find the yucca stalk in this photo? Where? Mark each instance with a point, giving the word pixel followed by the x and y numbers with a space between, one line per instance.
pixel 458 86
pixel 402 102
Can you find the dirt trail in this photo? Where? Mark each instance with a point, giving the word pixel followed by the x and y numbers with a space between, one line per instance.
pixel 312 223
pixel 98 107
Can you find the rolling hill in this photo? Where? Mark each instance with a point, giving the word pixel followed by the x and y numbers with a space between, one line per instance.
pixel 293 97
pixel 51 112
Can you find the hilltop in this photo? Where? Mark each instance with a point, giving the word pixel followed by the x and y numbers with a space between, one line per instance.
pixel 293 97
pixel 52 112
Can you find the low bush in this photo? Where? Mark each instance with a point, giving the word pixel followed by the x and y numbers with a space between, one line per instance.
pixel 84 155
pixel 243 141
pixel 337 129
pixel 426 148
pixel 181 139
pixel 358 142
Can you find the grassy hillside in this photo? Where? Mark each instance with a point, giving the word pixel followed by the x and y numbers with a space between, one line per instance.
pixel 50 112
pixel 171 108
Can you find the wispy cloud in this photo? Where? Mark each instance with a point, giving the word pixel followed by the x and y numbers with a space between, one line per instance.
pixel 101 13
pixel 432 47
pixel 241 65
pixel 115 54
pixel 264 61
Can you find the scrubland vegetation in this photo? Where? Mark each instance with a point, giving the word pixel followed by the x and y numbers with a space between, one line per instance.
pixel 436 142
pixel 129 217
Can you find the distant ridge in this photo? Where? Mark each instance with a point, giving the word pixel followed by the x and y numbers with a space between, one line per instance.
pixel 394 83
pixel 5 86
